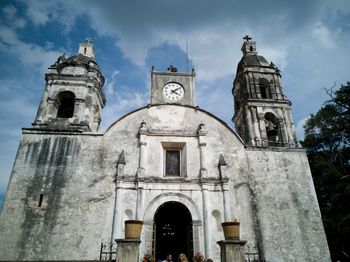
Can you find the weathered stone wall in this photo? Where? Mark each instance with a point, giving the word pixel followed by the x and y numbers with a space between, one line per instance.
pixel 269 191
pixel 76 209
pixel 287 219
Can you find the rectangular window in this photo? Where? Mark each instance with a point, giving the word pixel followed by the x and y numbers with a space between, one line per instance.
pixel 41 196
pixel 172 162
pixel 174 159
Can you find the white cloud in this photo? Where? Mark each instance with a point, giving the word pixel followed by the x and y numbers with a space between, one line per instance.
pixel 39 12
pixel 115 74
pixel 27 53
pixel 300 128
pixel 324 36
pixel 110 86
pixel 122 103
pixel 14 21
pixel 277 56
pixel 18 107
pixel 214 31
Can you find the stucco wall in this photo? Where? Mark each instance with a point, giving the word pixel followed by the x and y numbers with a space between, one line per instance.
pixel 285 206
pixel 76 204
pixel 270 191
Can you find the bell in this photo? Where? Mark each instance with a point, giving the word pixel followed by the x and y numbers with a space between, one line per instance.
pixel 272 131
pixel 270 128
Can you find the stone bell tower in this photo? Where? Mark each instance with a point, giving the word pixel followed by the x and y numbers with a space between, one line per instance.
pixel 73 97
pixel 263 115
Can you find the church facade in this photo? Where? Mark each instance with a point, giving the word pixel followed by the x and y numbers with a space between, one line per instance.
pixel 178 168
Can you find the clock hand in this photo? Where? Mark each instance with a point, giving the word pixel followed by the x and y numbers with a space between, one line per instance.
pixel 173 91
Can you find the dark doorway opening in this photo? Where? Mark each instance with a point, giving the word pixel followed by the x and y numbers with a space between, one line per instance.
pixel 172 231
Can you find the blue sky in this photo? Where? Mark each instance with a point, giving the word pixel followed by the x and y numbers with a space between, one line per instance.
pixel 308 40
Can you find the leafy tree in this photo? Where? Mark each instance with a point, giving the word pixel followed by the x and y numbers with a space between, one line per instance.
pixel 327 141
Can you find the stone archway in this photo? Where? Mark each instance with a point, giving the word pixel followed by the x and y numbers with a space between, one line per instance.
pixel 150 209
pixel 173 232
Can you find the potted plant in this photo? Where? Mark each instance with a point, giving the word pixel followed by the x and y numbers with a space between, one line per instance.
pixel 231 230
pixel 133 229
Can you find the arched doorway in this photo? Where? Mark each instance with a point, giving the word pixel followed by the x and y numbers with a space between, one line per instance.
pixel 172 231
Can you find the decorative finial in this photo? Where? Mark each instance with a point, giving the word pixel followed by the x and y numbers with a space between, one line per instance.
pixel 172 68
pixel 143 127
pixel 247 38
pixel 222 161
pixel 201 130
pixel 88 40
pixel 121 159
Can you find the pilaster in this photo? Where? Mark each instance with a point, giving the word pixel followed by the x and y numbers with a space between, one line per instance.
pixel 232 250
pixel 202 142
pixel 127 250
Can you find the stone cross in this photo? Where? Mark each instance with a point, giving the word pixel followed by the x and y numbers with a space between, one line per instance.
pixel 247 38
pixel 88 40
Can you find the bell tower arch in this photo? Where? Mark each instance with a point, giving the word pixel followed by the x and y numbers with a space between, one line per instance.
pixel 73 97
pixel 262 113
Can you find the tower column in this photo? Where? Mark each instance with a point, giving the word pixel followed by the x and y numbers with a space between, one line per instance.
pixel 250 124
pixel 289 126
pixel 262 128
pixel 257 136
pixel 78 109
pixel 42 110
pixel 52 105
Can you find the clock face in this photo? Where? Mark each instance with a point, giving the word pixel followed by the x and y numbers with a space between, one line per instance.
pixel 173 92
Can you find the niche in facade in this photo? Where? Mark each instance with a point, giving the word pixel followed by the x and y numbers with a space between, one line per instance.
pixel 66 104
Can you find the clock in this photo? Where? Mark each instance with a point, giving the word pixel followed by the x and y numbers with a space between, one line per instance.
pixel 173 92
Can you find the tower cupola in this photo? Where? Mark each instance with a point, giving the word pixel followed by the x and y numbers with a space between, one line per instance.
pixel 248 47
pixel 73 96
pixel 263 115
pixel 87 49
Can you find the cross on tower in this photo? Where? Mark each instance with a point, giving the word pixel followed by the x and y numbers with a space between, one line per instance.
pixel 88 40
pixel 247 38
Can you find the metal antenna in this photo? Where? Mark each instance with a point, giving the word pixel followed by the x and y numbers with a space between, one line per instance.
pixel 187 54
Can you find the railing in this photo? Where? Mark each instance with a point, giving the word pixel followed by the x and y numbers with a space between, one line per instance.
pixel 108 251
pixel 252 254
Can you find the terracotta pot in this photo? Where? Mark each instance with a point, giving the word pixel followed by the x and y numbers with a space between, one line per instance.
pixel 231 230
pixel 133 229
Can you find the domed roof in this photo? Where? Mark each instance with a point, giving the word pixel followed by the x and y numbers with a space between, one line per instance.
pixel 76 60
pixel 253 60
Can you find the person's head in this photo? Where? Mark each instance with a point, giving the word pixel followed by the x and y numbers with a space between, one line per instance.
pixel 209 260
pixel 182 258
pixel 169 257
